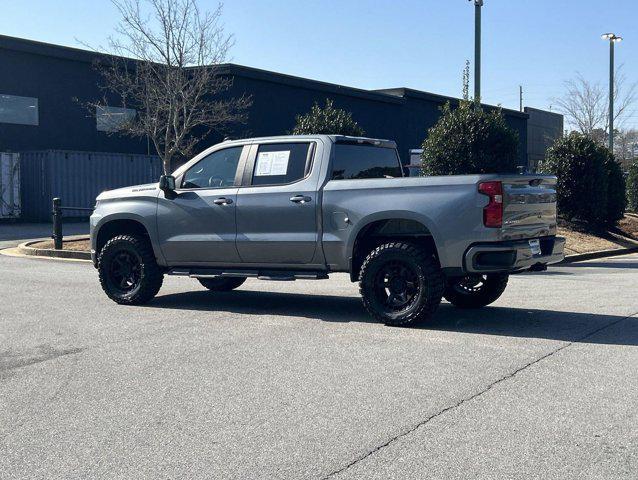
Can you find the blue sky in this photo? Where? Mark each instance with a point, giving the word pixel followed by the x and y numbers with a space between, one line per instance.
pixel 422 44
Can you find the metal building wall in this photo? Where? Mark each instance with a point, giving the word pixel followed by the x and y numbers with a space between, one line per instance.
pixel 78 177
pixel 543 128
pixel 9 185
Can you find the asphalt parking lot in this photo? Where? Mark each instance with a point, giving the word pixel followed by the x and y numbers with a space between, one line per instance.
pixel 293 380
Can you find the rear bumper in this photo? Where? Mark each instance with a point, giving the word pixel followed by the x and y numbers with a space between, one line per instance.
pixel 513 256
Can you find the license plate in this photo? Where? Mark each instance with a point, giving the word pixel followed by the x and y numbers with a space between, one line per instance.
pixel 535 246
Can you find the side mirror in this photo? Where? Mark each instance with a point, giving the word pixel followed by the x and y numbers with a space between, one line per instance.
pixel 167 183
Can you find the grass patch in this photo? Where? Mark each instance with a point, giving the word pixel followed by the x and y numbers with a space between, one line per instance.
pixel 579 240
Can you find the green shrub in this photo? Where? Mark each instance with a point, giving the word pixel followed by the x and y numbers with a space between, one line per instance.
pixel 585 169
pixel 616 192
pixel 469 139
pixel 327 120
pixel 632 187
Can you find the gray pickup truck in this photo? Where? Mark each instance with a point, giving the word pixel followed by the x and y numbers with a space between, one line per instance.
pixel 302 207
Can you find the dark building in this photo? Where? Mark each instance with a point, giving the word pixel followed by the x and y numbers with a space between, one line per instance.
pixel 543 128
pixel 44 90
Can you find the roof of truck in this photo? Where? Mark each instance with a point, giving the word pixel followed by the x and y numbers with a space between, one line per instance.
pixel 334 138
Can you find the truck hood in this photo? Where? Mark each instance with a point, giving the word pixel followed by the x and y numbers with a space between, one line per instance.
pixel 128 192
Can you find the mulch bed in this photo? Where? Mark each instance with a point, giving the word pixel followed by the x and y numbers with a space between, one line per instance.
pixel 82 245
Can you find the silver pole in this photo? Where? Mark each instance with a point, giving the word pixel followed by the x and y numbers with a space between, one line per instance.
pixel 613 38
pixel 477 49
pixel 611 95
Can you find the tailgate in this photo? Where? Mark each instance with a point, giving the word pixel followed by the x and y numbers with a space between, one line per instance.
pixel 529 208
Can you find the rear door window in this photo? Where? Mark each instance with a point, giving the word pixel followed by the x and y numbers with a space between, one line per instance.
pixel 356 161
pixel 281 163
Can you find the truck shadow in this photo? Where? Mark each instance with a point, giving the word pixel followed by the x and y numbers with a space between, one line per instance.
pixel 493 320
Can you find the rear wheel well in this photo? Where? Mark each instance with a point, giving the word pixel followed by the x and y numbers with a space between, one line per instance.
pixel 382 231
pixel 119 227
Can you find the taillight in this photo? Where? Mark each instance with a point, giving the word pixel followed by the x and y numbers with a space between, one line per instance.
pixel 493 212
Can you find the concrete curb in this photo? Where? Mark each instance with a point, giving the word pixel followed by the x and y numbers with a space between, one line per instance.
pixel 26 249
pixel 581 257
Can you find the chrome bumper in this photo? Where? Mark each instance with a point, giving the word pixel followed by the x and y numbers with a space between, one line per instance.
pixel 513 256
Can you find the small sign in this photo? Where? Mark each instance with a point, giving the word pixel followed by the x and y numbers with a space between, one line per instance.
pixel 272 163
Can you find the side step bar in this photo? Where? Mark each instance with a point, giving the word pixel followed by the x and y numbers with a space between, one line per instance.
pixel 279 275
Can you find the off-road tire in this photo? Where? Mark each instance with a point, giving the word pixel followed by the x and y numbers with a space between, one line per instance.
pixel 492 287
pixel 222 284
pixel 150 274
pixel 425 272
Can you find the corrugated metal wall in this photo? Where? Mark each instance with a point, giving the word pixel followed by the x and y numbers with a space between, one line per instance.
pixel 77 178
pixel 9 185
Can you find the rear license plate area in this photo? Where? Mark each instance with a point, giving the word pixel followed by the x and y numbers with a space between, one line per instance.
pixel 535 247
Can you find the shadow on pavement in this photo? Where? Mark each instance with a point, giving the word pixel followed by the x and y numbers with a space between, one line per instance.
pixel 606 264
pixel 26 231
pixel 503 321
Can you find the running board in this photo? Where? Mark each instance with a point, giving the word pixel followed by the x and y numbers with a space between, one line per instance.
pixel 278 275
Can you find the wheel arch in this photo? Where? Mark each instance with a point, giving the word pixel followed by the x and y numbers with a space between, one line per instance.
pixel 113 226
pixel 385 226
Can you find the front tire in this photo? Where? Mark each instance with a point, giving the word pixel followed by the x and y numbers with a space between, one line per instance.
pixel 222 284
pixel 400 284
pixel 128 272
pixel 475 291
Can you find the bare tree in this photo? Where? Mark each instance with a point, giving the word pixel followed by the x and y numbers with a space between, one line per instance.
pixel 586 104
pixel 166 65
pixel 626 147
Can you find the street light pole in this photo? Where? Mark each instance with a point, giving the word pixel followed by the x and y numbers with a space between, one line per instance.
pixel 477 49
pixel 611 96
pixel 613 38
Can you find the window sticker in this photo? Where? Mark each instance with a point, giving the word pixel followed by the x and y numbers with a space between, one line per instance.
pixel 272 163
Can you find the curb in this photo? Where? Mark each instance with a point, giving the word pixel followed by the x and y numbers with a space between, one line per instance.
pixel 26 249
pixel 581 257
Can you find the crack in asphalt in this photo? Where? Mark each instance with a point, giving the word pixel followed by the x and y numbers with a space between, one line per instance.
pixel 472 397
pixel 10 361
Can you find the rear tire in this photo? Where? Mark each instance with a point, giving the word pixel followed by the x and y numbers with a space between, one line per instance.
pixel 400 284
pixel 128 271
pixel 475 291
pixel 222 284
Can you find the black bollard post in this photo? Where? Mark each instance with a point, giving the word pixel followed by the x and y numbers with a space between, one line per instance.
pixel 57 224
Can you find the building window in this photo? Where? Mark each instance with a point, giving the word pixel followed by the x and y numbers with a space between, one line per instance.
pixel 112 119
pixel 18 110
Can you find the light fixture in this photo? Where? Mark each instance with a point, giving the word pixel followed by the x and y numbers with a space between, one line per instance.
pixel 611 37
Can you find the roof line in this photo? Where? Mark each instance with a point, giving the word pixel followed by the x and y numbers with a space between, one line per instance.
pixel 410 92
pixel 49 49
pixel 307 83
pixel 388 95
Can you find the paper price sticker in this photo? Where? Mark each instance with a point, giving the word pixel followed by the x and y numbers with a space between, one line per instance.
pixel 272 163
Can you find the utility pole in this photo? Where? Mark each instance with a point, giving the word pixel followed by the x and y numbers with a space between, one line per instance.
pixel 613 38
pixel 520 94
pixel 478 4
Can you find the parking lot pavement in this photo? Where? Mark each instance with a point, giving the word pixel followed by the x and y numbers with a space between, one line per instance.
pixel 293 380
pixel 11 234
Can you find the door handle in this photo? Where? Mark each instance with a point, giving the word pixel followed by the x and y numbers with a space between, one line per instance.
pixel 300 199
pixel 222 201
